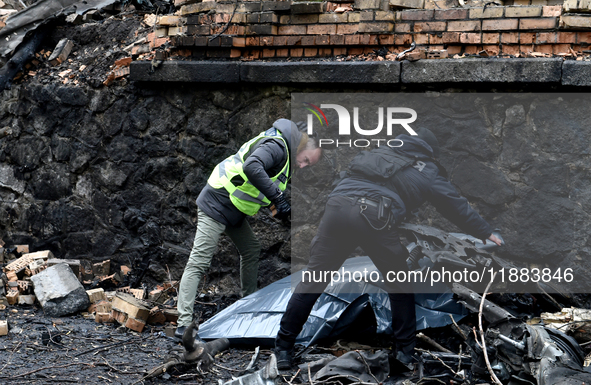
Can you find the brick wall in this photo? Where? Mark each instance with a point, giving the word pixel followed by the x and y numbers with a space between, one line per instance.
pixel 283 29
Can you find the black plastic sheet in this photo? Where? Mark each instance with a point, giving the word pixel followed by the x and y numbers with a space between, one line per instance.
pixel 254 320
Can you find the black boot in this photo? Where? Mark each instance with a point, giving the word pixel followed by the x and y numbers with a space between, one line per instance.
pixel 284 359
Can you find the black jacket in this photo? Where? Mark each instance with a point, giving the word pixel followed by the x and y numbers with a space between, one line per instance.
pixel 412 186
pixel 266 159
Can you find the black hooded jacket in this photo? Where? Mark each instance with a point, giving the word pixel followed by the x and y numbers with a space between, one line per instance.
pixel 265 160
pixel 412 186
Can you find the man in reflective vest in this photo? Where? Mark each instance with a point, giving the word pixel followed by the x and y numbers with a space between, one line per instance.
pixel 254 177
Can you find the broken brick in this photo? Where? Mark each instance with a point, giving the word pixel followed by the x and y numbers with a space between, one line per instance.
pixel 135 324
pixel 12 297
pixel 156 316
pixel 96 295
pixel 3 327
pixel 104 318
pixel 128 304
pixel 102 268
pixel 124 62
pixel 61 52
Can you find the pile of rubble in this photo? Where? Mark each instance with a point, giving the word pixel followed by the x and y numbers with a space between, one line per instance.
pixel 58 285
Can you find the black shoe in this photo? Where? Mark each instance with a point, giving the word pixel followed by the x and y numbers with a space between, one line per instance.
pixel 284 359
pixel 178 333
pixel 408 360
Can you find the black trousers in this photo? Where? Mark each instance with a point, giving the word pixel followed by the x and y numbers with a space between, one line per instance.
pixel 344 227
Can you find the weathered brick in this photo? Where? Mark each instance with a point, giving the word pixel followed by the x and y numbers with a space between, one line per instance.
pixel 95 295
pixel 307 8
pixel 403 39
pixel 352 39
pixel 280 40
pixel 492 50
pixel 584 38
pixel 488 13
pixel 198 29
pixel 355 51
pixel 544 48
pixel 561 48
pixel 239 42
pixel 500 24
pixel 416 4
pixel 537 24
pixel 248 6
pixel 523 11
pixel 416 15
pixel 285 19
pixel 421 38
pixel 201 41
pixel 333 18
pixel 527 48
pixel 551 10
pixel 135 324
pixel 454 50
pixel 187 41
pixel 322 40
pixel 472 49
pixel 283 52
pixel 429 26
pixel 266 40
pixel 294 40
pixel 546 37
pixel 367 4
pixel 527 38
pixel 279 6
pixel 566 37
pixel 304 19
pixel 571 21
pixel 337 39
pixel 382 26
pixel 322 29
pixel 222 18
pixel 347 29
pixel 214 42
pixel 510 38
pixel 268 53
pixel 197 7
pixel 339 51
pixel 239 18
pixel 353 17
pixel 366 16
pixel 310 52
pixel 385 15
pixel 470 38
pixel 3 327
pixel 103 318
pixel 402 27
pixel 268 17
pixel 450 37
pixel 386 39
pixel 261 29
pixel 308 40
pixel 169 20
pixel 490 38
pixel 464 26
pixel 292 30
pixel 296 52
pixel 450 14
pixel 325 52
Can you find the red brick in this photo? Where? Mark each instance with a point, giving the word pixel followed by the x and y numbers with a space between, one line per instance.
pixel 347 29
pixel 510 38
pixel 402 27
pixel 464 26
pixel 527 38
pixel 253 41
pixel 451 14
pixel 510 49
pixel 267 40
pixel 237 30
pixel 472 49
pixel 221 18
pixel 543 48
pixel 561 48
pixel 268 53
pixel 490 38
pixel 352 39
pixel 280 40
pixel 253 54
pixel 434 39
pixel 340 51
pixel 373 39
pixel 584 37
pixel 322 40
pixel 324 29
pixel 543 23
pixel 308 40
pixel 239 42
pixel 492 50
pixel 450 37
pixel 421 38
pixel 500 24
pixel 368 50
pixel 235 53
pixel 436 47
pixel 135 325
pixel 551 10
pixel 526 48
pixel 376 27
pixel 429 26
pixel 304 19
pixel 283 52
pixel 296 52
pixel 566 37
pixel 416 15
pixel 364 39
pixel 470 38
pixel 158 42
pixel 337 39
pixel 454 49
pixel 546 37
pixel 405 39
pixel 355 51
pixel 386 39
pixel 310 52
pixel 325 52
pixel 292 30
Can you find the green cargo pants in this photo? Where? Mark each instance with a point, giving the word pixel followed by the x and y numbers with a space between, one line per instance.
pixel 204 246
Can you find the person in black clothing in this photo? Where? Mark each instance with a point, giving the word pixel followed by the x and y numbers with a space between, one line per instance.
pixel 353 217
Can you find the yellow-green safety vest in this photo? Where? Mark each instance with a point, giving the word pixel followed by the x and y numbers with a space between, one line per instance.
pixel 247 198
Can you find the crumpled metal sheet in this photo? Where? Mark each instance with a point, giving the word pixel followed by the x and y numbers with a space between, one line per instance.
pixel 28 19
pixel 254 320
pixel 355 366
pixel 265 376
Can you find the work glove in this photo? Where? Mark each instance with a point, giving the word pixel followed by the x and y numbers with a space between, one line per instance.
pixel 283 208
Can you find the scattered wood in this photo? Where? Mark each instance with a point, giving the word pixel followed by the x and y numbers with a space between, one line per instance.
pixel 61 52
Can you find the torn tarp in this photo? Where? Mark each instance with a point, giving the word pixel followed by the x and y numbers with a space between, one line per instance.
pixel 32 17
pixel 254 320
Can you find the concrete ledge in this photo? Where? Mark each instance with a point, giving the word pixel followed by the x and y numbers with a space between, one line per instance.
pixel 534 70
pixel 186 71
pixel 321 72
pixel 576 73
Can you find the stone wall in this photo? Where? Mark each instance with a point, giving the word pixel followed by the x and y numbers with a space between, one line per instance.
pixel 114 172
